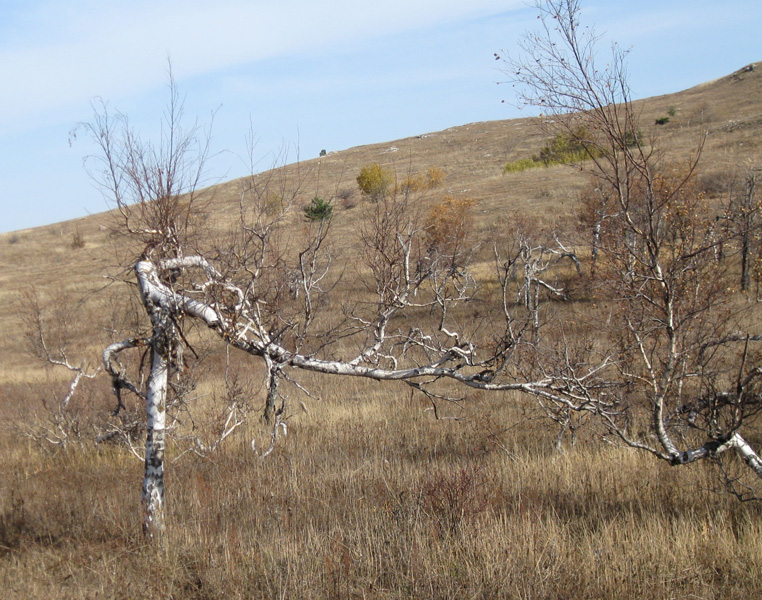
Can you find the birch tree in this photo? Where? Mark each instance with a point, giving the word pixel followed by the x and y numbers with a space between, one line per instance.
pixel 259 293
pixel 677 379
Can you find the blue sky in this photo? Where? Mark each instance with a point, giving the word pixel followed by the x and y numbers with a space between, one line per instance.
pixel 323 74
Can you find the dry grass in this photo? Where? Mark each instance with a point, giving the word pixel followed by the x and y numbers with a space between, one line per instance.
pixel 376 499
pixel 369 496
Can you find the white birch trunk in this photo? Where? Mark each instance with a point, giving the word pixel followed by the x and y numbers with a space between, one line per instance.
pixel 152 498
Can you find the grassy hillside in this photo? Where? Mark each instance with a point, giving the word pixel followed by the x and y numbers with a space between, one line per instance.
pixel 472 156
pixel 369 496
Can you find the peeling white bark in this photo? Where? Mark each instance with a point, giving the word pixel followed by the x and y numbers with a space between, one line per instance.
pixel 156 293
pixel 747 453
pixel 161 304
pixel 159 295
pixel 153 481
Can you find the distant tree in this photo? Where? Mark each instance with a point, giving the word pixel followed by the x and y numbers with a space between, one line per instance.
pixel 375 181
pixel 421 182
pixel 566 147
pixel 449 226
pixel 744 218
pixel 569 147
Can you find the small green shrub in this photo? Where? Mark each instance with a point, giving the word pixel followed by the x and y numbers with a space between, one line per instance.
pixel 662 120
pixel 631 138
pixel 318 209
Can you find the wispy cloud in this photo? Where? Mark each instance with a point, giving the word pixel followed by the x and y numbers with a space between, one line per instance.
pixel 61 53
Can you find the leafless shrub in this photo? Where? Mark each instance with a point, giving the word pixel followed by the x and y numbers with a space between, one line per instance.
pixel 60 421
pixel 77 240
pixel 456 497
pixel 348 198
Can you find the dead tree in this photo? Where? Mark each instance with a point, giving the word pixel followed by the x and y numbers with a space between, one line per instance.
pixel 671 335
pixel 742 218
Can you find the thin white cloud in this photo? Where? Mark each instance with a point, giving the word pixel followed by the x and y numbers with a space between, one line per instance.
pixel 63 53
